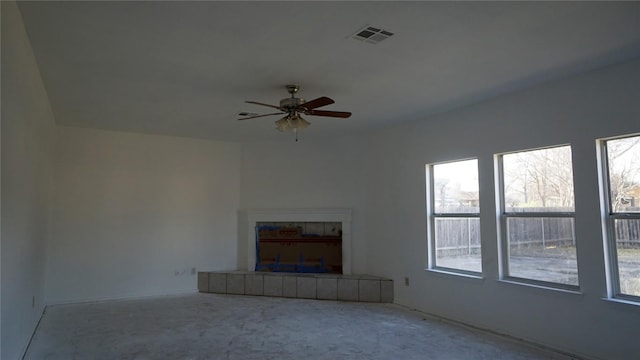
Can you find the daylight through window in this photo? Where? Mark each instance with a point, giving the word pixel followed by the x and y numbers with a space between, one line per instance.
pixel 537 219
pixel 622 169
pixel 454 216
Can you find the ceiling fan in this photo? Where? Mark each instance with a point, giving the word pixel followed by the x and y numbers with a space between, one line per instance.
pixel 293 107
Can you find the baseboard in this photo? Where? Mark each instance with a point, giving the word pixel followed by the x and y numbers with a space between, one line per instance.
pixel 561 354
pixel 131 296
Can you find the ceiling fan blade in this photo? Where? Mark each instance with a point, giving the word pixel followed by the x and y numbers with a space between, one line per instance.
pixel 338 114
pixel 316 103
pixel 257 116
pixel 263 104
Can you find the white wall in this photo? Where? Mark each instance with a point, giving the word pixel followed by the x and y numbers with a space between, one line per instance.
pixel 576 110
pixel 306 174
pixel 135 213
pixel 27 140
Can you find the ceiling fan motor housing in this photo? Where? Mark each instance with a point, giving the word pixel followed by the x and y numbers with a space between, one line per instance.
pixel 290 103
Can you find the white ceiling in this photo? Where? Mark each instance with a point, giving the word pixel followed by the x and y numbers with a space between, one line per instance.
pixel 185 68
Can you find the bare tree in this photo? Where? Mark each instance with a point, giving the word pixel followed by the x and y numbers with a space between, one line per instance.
pixel 541 177
pixel 623 156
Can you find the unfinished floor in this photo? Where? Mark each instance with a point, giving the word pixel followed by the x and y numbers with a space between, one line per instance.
pixel 210 326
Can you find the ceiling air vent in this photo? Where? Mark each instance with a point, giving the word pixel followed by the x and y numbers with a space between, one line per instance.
pixel 371 34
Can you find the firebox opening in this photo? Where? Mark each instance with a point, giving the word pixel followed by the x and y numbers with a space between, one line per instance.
pixel 299 247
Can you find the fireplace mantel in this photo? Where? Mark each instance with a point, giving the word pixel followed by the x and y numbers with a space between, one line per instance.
pixel 343 216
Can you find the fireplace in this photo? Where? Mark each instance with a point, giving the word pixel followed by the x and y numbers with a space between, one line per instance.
pixel 300 247
pixel 314 240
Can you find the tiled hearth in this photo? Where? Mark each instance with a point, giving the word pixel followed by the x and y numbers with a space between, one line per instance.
pixel 363 288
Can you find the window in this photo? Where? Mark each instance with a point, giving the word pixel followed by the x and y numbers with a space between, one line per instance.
pixel 537 221
pixel 622 171
pixel 453 207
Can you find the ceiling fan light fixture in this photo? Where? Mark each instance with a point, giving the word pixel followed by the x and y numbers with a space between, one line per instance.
pixel 297 122
pixel 283 124
pixel 292 122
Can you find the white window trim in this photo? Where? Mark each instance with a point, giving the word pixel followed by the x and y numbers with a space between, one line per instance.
pixel 431 218
pixel 503 216
pixel 608 224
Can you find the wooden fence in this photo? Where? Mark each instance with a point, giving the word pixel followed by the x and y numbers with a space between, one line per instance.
pixel 457 235
pixel 628 233
pixel 462 235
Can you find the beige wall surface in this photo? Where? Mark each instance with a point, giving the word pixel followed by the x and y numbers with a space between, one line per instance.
pixel 135 214
pixel 575 111
pixel 27 144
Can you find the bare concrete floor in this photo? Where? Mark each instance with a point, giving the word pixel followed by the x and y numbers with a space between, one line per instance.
pixel 209 326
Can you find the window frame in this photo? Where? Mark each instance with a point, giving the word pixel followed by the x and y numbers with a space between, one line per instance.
pixel 432 215
pixel 608 222
pixel 503 217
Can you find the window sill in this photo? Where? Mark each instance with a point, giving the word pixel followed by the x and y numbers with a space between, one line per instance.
pixel 450 272
pixel 560 290
pixel 635 305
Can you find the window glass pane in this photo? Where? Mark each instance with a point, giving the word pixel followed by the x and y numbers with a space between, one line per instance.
pixel 542 249
pixel 538 180
pixel 455 187
pixel 627 234
pixel 457 243
pixel 623 157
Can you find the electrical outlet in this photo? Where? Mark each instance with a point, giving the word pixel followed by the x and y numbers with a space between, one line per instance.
pixel 406 281
pixel 193 271
pixel 33 302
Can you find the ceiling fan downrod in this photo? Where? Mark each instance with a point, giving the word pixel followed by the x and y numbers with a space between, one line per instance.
pixel 292 89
